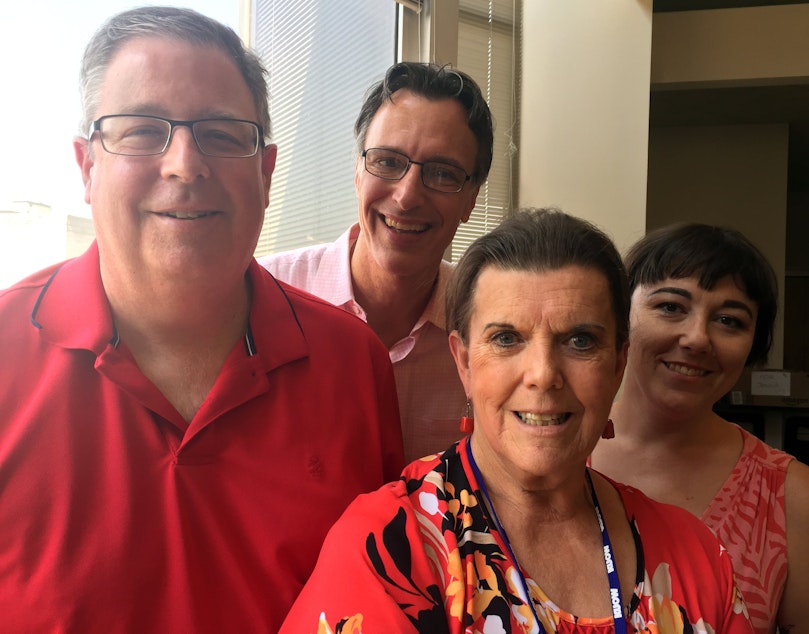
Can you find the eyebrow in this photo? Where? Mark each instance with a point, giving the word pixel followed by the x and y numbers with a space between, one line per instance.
pixel 674 290
pixel 585 326
pixel 433 159
pixel 732 303
pixel 147 109
pixel 728 303
pixel 497 324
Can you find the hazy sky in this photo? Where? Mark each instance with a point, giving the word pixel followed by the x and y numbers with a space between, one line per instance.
pixel 41 43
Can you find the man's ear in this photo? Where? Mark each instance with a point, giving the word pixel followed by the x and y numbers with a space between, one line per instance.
pixel 268 157
pixel 465 217
pixel 358 168
pixel 82 150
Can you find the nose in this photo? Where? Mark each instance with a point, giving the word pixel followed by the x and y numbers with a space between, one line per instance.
pixel 542 369
pixel 409 191
pixel 182 158
pixel 695 335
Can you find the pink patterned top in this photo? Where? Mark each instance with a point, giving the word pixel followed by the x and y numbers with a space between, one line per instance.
pixel 748 516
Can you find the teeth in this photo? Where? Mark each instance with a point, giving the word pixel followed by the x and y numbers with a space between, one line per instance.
pixel 186 216
pixel 403 227
pixel 542 420
pixel 681 369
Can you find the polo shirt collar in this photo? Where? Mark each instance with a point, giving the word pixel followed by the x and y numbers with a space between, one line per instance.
pixel 277 334
pixel 435 311
pixel 73 312
pixel 337 288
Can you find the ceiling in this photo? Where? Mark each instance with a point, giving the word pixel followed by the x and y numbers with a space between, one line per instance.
pixel 788 104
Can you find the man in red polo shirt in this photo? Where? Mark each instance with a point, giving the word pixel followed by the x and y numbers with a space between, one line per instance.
pixel 178 430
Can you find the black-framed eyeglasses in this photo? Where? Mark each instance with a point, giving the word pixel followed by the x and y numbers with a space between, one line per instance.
pixel 139 135
pixel 392 166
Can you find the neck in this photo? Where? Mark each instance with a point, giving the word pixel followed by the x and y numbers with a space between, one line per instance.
pixel 179 335
pixel 392 303
pixel 545 529
pixel 682 460
pixel 640 421
pixel 533 503
pixel 178 314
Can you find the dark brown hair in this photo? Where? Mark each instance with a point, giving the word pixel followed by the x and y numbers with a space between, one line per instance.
pixel 538 240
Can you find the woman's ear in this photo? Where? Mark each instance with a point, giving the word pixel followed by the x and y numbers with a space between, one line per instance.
pixel 460 352
pixel 621 360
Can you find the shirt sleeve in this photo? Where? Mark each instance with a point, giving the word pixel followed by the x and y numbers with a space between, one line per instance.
pixel 368 577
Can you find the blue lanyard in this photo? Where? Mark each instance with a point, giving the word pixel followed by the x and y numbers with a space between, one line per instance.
pixel 609 561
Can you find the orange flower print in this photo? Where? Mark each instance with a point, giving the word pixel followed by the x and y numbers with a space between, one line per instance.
pixel 522 612
pixel 483 579
pixel 739 606
pixel 349 625
pixel 458 504
pixel 664 614
pixel 456 588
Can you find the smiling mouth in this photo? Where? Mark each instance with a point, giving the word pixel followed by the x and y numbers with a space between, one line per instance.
pixel 684 370
pixel 180 215
pixel 542 420
pixel 404 228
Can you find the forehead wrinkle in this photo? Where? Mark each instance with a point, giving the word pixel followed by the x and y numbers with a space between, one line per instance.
pixel 447 160
pixel 152 109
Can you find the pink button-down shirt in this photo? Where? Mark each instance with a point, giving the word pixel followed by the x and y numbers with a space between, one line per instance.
pixel 431 396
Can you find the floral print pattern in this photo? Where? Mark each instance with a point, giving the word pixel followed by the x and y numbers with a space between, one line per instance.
pixel 431 561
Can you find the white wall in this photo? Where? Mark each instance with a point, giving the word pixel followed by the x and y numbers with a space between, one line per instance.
pixel 585 111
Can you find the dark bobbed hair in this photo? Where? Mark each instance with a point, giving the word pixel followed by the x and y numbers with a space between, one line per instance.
pixel 167 22
pixel 435 83
pixel 710 253
pixel 538 240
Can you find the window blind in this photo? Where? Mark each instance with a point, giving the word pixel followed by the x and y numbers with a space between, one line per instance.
pixel 321 56
pixel 487 51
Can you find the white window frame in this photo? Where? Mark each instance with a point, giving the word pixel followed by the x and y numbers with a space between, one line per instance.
pixel 429 32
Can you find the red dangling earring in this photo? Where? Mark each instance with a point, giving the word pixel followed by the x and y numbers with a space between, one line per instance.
pixel 609 430
pixel 467 422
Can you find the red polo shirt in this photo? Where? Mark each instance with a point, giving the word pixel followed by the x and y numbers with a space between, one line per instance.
pixel 117 515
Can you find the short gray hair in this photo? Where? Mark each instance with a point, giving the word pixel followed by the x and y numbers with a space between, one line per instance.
pixel 168 22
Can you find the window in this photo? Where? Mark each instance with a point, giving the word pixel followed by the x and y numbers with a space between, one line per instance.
pixel 487 51
pixel 480 38
pixel 321 56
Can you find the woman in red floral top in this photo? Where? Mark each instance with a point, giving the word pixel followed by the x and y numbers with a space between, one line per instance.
pixel 508 531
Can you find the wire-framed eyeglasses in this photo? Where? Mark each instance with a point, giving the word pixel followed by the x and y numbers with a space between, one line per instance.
pixel 392 166
pixel 139 135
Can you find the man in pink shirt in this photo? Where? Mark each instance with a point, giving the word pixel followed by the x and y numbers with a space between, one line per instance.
pixel 424 147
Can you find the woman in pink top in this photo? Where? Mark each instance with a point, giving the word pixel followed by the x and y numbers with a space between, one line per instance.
pixel 703 307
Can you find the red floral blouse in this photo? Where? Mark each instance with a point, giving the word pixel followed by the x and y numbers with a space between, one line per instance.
pixel 421 555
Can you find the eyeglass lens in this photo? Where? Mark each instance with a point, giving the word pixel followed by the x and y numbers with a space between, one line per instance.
pixel 392 165
pixel 140 136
